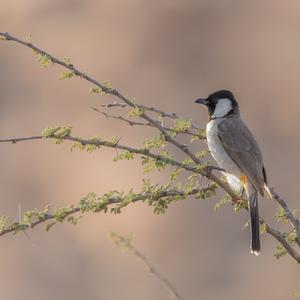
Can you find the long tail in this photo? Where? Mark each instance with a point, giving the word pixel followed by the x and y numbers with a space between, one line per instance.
pixel 254 223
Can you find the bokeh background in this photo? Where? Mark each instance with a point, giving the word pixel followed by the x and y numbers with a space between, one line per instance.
pixel 164 53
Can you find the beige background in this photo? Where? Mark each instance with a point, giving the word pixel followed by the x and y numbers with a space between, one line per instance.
pixel 164 53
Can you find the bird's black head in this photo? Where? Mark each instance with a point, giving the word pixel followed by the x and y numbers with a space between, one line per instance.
pixel 220 104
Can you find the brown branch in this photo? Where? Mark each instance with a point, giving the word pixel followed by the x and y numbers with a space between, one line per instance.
pixel 141 151
pixel 281 239
pixel 21 139
pixel 288 212
pixel 98 142
pixel 110 201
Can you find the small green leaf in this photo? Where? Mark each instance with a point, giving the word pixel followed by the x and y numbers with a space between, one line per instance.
pixel 182 125
pixel 158 141
pixel 73 219
pixel 115 140
pixel 280 251
pixel 61 213
pixel 28 38
pixel 3 223
pixel 150 164
pixel 67 75
pixel 280 215
pixel 291 237
pixel 202 154
pixel 107 84
pixel 95 90
pixel 194 138
pixel 136 112
pixel 49 226
pixel 223 201
pixel 202 133
pixel 48 132
pixel 263 228
pixel 43 59
pixel 78 146
pixel 187 161
pixel 239 205
pixel 125 155
pixel 204 194
pixel 124 242
pixel 175 173
pixel 67 61
pixel 62 131
pixel 58 132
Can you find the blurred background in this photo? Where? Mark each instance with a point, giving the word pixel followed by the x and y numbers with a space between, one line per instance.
pixel 166 54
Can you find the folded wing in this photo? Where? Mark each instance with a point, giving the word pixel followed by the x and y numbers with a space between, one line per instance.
pixel 240 145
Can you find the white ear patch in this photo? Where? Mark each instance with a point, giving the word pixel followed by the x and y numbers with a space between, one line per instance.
pixel 223 107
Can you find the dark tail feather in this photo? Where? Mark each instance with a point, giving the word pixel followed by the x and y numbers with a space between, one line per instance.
pixel 254 224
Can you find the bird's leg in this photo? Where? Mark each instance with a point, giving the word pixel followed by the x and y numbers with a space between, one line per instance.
pixel 243 180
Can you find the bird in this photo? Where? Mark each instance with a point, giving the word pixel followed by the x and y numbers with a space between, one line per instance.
pixel 237 153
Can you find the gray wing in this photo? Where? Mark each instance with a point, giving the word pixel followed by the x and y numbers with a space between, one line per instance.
pixel 242 148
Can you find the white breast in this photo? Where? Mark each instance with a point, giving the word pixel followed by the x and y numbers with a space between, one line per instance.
pixel 221 157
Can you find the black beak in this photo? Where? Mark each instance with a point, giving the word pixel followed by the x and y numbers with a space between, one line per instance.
pixel 202 101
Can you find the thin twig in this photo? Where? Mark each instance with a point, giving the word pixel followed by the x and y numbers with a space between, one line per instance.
pixel 129 122
pixel 163 114
pixel 127 244
pixel 134 123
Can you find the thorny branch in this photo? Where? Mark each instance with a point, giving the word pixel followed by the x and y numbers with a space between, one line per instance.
pixel 126 101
